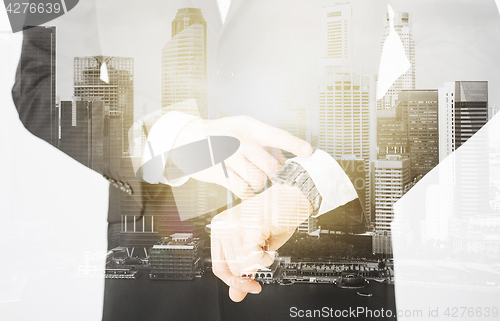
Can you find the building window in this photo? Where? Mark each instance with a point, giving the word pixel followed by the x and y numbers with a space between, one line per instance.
pixel 334 14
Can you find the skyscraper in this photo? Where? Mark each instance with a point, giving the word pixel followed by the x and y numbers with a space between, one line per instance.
pixel 337 35
pixel 419 109
pixel 344 121
pixel 391 176
pixel 187 17
pixel 117 93
pixel 74 130
pixel 410 129
pixel 344 117
pixel 403 26
pixel 82 132
pixel 184 63
pixel 392 133
pixel 113 140
pixel 344 96
pixel 463 110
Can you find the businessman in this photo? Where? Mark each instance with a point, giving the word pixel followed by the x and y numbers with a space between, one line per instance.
pixel 250 62
pixel 257 160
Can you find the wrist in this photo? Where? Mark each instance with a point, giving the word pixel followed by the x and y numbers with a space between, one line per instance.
pixel 290 208
pixel 281 208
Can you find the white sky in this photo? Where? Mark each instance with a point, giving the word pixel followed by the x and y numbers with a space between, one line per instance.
pixel 455 40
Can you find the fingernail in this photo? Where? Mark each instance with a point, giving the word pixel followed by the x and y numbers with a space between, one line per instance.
pixel 255 292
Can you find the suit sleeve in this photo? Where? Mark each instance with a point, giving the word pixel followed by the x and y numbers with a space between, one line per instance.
pixel 33 94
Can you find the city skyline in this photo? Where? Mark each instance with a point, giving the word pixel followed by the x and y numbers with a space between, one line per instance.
pixel 337 77
pixel 110 79
pixel 366 48
pixel 442 245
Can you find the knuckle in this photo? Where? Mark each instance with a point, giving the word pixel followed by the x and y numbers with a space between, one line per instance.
pixel 244 119
pixel 272 167
pixel 261 181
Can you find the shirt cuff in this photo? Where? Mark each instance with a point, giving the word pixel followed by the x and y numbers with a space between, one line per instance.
pixel 332 182
pixel 160 140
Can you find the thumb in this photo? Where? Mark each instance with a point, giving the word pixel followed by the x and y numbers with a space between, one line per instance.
pixel 235 295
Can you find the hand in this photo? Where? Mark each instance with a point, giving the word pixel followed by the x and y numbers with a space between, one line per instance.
pixel 257 158
pixel 246 236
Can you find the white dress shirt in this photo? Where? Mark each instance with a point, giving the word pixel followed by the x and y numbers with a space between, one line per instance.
pixel 223 8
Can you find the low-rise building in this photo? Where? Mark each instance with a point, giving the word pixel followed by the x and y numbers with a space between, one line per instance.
pixel 178 257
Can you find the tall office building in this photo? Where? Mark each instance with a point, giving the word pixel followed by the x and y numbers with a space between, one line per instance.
pixel 463 110
pixel 403 26
pixel 419 109
pixel 83 132
pixel 187 17
pixel 184 78
pixel 113 140
pixel 344 96
pixel 344 121
pixel 410 129
pixel 117 92
pixel 344 116
pixel 392 174
pixel 392 133
pixel 184 64
pixel 337 35
pixel 74 130
pixel 40 58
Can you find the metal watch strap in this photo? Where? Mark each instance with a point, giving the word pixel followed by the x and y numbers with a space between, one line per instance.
pixel 293 173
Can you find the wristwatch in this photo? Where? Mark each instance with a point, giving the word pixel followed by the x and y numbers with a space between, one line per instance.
pixel 292 173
